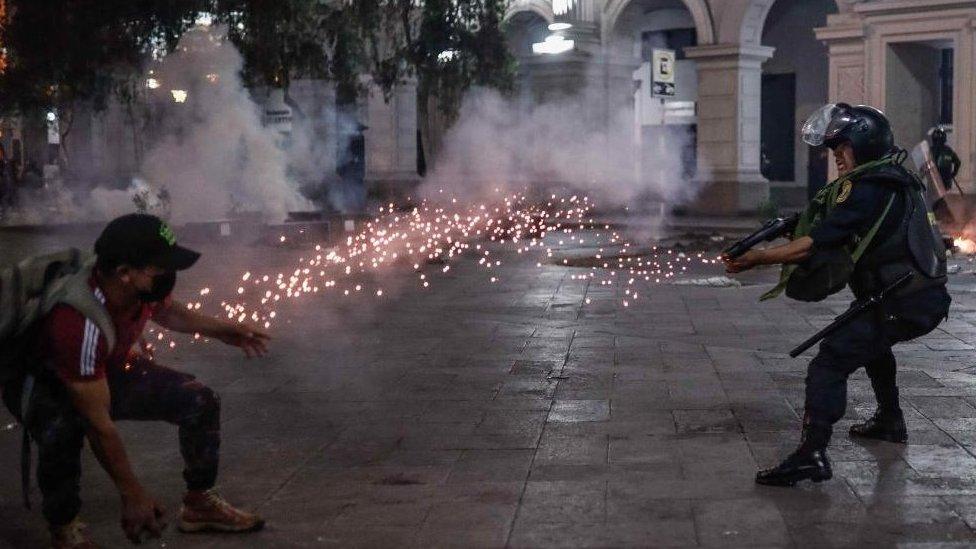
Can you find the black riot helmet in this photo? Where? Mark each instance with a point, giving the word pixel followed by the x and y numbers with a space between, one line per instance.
pixel 864 127
pixel 939 137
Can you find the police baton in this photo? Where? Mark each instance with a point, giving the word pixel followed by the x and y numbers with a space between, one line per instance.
pixel 852 313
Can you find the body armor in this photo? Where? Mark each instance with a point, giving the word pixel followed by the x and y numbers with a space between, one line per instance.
pixel 914 247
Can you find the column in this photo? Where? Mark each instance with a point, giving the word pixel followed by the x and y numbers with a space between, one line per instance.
pixel 600 84
pixel 729 95
pixel 391 141
pixel 844 37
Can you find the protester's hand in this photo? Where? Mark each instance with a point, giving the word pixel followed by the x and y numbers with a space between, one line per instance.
pixel 253 341
pixel 141 514
pixel 742 263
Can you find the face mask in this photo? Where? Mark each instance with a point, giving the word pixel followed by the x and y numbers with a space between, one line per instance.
pixel 162 286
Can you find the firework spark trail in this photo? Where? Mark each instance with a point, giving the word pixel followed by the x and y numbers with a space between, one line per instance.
pixel 428 238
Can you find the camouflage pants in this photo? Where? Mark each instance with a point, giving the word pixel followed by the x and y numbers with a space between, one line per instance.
pixel 145 392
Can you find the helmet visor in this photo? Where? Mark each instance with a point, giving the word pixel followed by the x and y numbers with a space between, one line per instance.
pixel 826 123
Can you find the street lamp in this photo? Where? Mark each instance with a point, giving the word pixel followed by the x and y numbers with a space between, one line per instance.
pixel 555 43
pixel 562 7
pixel 179 96
pixel 447 56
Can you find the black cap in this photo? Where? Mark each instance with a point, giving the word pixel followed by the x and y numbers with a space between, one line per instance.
pixel 140 240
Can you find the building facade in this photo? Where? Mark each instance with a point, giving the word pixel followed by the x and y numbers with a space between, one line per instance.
pixel 753 69
pixel 746 75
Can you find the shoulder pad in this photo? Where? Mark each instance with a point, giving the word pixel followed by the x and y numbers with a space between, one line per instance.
pixel 891 175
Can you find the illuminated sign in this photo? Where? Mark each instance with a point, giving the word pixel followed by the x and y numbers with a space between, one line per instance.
pixel 662 73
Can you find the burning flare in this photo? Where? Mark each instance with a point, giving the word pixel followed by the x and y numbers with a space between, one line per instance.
pixel 425 239
pixel 965 245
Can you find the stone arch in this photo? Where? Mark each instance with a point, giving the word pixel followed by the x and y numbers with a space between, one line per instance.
pixel 698 8
pixel 744 22
pixel 526 25
pixel 542 8
pixel 753 21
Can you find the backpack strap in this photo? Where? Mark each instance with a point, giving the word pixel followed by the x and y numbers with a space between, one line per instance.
pixel 862 246
pixel 38 272
pixel 75 291
pixel 26 399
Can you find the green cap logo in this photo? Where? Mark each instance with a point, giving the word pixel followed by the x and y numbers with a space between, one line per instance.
pixel 167 234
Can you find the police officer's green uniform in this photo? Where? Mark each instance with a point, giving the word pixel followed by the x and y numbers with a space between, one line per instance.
pixel 876 213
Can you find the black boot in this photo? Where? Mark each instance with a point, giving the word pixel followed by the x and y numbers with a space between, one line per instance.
pixel 800 465
pixel 889 427
pixel 808 462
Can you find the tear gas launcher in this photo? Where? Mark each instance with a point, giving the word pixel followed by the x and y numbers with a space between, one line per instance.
pixel 771 230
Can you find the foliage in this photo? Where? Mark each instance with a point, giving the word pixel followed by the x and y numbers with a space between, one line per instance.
pixel 57 54
pixel 449 46
pixel 62 51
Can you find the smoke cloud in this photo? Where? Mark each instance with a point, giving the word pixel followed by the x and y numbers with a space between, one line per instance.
pixel 501 142
pixel 319 151
pixel 215 155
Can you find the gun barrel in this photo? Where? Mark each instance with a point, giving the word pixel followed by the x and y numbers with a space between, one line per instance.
pixel 741 247
pixel 770 231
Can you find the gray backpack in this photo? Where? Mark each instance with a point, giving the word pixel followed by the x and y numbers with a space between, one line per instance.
pixel 28 292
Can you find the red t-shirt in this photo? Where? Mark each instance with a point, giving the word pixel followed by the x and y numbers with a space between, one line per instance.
pixel 76 349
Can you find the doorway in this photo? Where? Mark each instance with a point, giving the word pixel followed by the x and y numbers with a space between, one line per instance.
pixel 918 89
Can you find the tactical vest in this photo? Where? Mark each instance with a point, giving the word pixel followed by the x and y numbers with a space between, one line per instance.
pixel 916 246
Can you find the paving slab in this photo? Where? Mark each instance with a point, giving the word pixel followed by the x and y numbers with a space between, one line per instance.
pixel 516 414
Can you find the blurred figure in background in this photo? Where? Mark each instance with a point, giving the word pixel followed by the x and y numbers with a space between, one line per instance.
pixel 946 159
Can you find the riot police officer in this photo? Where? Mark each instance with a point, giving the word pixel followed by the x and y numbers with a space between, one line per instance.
pixel 876 209
pixel 946 159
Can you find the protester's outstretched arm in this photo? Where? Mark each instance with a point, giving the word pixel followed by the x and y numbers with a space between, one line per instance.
pixel 177 317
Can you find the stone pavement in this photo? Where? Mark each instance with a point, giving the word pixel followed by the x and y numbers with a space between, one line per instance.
pixel 478 414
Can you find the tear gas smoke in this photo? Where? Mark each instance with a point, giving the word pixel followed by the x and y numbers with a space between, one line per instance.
pixel 216 156
pixel 561 143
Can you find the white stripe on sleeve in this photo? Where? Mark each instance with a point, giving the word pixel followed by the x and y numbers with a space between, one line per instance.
pixel 85 345
pixel 89 345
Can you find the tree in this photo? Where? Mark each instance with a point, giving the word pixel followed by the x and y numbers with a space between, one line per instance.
pixel 446 46
pixel 61 54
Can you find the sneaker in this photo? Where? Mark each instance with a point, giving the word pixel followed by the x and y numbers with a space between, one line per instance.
pixel 73 535
pixel 881 427
pixel 805 465
pixel 208 512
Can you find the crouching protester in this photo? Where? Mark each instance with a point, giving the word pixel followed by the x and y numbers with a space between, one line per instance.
pixel 869 230
pixel 85 374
